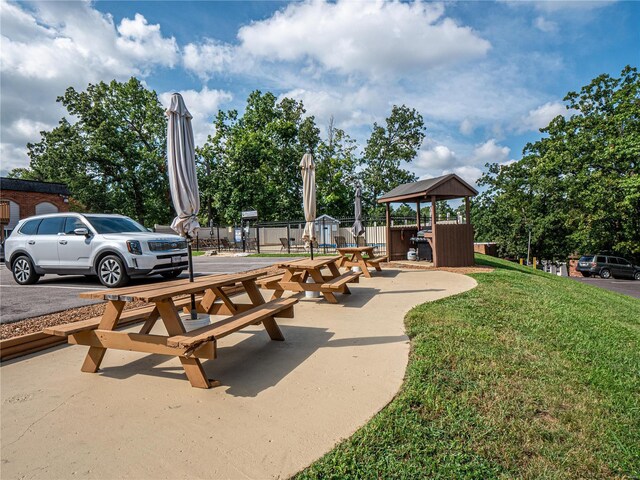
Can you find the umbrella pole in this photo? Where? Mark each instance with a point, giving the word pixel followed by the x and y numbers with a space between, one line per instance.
pixel 194 314
pixel 311 249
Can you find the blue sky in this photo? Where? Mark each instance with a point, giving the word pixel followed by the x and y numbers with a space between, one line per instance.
pixel 484 75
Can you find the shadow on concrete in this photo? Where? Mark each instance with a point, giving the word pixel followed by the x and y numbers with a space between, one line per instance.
pixel 252 365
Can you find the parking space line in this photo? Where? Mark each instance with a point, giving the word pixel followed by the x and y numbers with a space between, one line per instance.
pixel 51 286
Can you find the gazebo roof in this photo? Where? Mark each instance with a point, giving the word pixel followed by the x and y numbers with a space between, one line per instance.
pixel 446 187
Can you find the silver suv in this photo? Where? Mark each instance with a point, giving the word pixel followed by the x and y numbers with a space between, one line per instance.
pixel 113 247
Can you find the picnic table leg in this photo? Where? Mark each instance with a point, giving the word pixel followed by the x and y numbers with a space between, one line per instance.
pixel 151 321
pixel 109 321
pixel 363 265
pixel 336 273
pixel 227 302
pixel 279 291
pixel 269 323
pixel 192 366
pixel 318 278
pixel 206 304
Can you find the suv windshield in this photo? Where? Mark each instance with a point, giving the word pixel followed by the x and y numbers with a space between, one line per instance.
pixel 586 258
pixel 114 224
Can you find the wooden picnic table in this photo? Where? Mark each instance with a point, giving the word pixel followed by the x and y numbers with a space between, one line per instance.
pixel 213 294
pixel 352 257
pixel 297 272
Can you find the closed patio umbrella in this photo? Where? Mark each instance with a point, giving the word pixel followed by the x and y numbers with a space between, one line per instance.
pixel 183 181
pixel 308 169
pixel 357 228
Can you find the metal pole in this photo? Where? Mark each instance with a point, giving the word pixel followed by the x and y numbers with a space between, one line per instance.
pixel 218 237
pixel 529 246
pixel 324 235
pixel 258 237
pixel 288 238
pixel 244 240
pixel 194 314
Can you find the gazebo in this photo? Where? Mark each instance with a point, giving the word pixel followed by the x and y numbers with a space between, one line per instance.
pixel 451 242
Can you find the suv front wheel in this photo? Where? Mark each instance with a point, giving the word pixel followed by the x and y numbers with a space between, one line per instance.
pixel 605 273
pixel 23 271
pixel 111 272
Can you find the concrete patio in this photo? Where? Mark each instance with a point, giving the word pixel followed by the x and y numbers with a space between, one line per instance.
pixel 281 404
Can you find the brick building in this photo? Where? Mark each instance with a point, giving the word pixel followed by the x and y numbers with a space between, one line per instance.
pixel 28 197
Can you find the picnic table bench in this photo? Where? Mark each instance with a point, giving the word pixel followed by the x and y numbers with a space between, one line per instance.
pixel 213 295
pixel 352 257
pixel 297 272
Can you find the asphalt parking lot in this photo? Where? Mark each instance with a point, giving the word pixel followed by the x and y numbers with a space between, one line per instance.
pixel 627 287
pixel 55 293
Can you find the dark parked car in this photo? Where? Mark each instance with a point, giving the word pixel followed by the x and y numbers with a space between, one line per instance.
pixel 607 266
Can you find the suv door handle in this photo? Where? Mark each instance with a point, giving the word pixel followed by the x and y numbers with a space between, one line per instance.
pixel 63 242
pixel 31 242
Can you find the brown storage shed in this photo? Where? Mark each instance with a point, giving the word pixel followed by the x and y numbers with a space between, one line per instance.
pixel 451 244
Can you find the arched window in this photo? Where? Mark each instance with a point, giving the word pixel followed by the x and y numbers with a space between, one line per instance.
pixel 46 207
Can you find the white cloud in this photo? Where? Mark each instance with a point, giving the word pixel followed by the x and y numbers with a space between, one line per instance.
pixel 466 127
pixel 363 37
pixel 145 42
pixel 211 57
pixel 540 117
pixel 11 156
pixel 203 106
pixel 349 107
pixel 545 25
pixel 568 5
pixel 490 152
pixel 468 173
pixel 50 46
pixel 438 157
pixel 441 160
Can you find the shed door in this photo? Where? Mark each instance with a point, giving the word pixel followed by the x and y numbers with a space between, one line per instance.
pixel 46 207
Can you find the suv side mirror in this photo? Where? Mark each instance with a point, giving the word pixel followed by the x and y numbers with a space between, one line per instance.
pixel 82 231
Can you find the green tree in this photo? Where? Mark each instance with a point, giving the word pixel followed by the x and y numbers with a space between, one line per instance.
pixel 336 175
pixel 113 157
pixel 578 188
pixel 252 161
pixel 388 146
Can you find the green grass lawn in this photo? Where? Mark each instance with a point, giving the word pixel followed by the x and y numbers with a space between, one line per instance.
pixel 528 375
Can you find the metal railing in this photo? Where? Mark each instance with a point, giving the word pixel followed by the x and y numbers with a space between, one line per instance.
pixel 286 236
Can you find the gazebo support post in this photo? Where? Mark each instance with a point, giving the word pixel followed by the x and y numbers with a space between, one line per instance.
pixel 467 206
pixel 433 231
pixel 418 214
pixel 388 216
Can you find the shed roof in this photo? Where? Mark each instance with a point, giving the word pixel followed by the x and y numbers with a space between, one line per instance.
pixel 19 185
pixel 326 218
pixel 446 187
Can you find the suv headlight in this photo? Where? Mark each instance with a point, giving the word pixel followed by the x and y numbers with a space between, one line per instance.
pixel 134 247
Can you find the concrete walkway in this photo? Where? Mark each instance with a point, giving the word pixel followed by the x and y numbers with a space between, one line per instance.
pixel 281 405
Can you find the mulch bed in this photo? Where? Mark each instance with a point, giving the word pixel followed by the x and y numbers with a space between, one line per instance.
pixel 37 324
pixel 461 270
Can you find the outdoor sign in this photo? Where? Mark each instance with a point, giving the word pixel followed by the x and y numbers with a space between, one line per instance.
pixel 250 214
pixel 238 235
